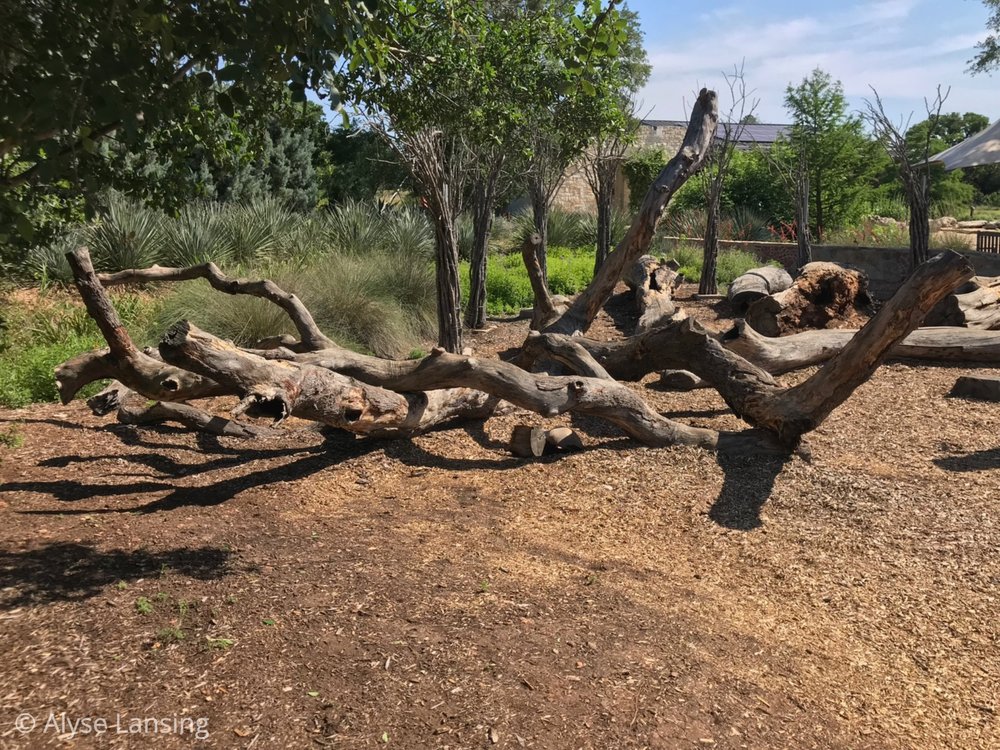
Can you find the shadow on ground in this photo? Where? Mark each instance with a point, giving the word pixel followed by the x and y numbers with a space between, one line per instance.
pixel 68 571
pixel 976 461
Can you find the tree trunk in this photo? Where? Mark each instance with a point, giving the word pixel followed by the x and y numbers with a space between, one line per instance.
pixel 820 229
pixel 484 193
pixel 802 239
pixel 540 215
pixel 709 267
pixel 652 284
pixel 605 201
pixel 920 233
pixel 449 296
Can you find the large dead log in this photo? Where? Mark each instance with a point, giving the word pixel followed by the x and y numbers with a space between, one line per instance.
pixel 756 284
pixel 824 295
pixel 636 242
pixel 975 304
pixel 652 283
pixel 779 355
pixel 979 389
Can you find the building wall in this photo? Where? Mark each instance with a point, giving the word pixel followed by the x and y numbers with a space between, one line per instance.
pixel 575 194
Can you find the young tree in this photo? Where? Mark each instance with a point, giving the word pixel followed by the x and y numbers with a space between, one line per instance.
pixel 988 58
pixel 911 156
pixel 832 145
pixel 717 169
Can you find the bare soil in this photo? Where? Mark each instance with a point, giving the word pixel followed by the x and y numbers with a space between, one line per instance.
pixel 326 591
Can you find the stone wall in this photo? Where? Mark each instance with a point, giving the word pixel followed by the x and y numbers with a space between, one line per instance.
pixel 782 252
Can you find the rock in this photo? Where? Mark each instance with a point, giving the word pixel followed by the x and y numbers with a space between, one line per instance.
pixel 977 224
pixel 563 439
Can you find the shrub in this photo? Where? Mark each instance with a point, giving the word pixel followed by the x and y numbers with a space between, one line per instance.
pixel 566 229
pixel 730 263
pixel 198 235
pixel 127 235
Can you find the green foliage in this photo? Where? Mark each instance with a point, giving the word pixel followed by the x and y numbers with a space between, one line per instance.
pixel 641 169
pixel 11 436
pixel 740 223
pixel 730 263
pixel 508 289
pixel 134 68
pixel 987 58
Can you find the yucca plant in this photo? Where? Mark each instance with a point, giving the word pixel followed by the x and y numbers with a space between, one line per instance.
pixel 127 235
pixel 409 233
pixel 48 263
pixel 198 235
pixel 357 227
pixel 256 229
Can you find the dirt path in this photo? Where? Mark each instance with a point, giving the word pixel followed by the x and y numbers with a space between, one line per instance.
pixel 333 592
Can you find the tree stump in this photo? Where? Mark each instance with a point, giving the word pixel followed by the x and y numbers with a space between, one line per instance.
pixel 825 295
pixel 652 281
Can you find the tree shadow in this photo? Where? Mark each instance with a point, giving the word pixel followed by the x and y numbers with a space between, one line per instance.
pixel 621 309
pixel 975 461
pixel 747 484
pixel 66 571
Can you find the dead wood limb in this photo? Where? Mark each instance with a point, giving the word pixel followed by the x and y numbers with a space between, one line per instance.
pixel 787 353
pixel 312 338
pixel 122 361
pixel 193 418
pixel 545 310
pixel 756 284
pixel 697 142
pixel 110 399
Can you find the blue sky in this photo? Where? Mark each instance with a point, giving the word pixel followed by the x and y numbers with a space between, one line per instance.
pixel 904 48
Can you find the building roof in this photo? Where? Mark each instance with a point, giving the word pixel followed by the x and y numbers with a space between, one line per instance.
pixel 764 133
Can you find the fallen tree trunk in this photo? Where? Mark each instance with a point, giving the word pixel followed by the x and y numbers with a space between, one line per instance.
pixel 652 284
pixel 975 304
pixel 824 295
pixel 787 353
pixel 756 284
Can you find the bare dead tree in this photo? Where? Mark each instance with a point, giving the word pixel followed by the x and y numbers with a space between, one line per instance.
pixel 913 161
pixel 438 163
pixel 794 173
pixel 602 164
pixel 487 169
pixel 717 169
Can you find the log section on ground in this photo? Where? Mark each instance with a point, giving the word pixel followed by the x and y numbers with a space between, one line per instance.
pixel 756 284
pixel 980 389
pixel 975 304
pixel 825 295
pixel 787 353
pixel 652 282
pixel 636 242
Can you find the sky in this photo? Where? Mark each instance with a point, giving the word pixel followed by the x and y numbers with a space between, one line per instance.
pixel 904 48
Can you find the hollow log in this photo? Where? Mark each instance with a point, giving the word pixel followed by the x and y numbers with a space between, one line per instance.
pixel 787 353
pixel 975 304
pixel 652 283
pixel 824 295
pixel 757 284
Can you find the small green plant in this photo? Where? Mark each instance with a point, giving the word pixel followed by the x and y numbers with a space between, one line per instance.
pixel 122 585
pixel 161 596
pixel 143 606
pixel 11 436
pixel 220 644
pixel 484 587
pixel 230 599
pixel 174 634
pixel 416 354
pixel 268 621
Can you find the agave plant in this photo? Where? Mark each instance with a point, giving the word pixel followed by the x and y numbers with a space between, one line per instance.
pixel 409 233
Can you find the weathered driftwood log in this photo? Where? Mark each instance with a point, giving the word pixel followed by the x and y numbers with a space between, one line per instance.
pixel 652 282
pixel 757 284
pixel 697 142
pixel 980 389
pixel 825 295
pixel 122 361
pixel 975 304
pixel 779 355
